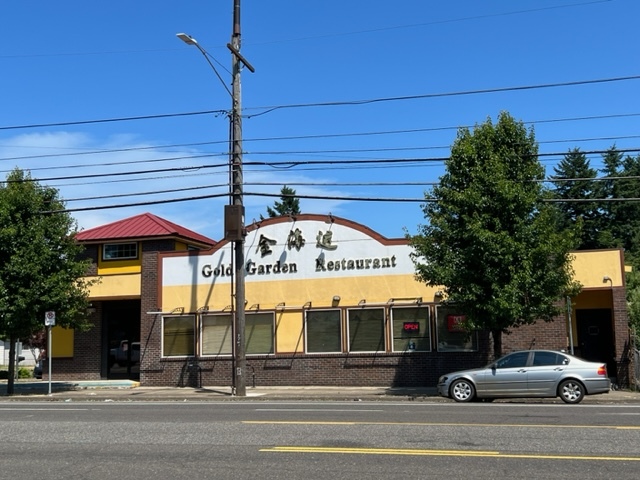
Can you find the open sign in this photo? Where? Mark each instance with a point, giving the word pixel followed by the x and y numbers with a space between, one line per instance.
pixel 411 327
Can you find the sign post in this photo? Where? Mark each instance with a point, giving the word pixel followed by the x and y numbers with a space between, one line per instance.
pixel 49 321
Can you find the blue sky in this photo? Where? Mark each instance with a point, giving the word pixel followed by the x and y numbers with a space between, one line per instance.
pixel 78 61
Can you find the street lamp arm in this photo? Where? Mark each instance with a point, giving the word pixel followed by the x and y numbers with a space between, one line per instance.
pixel 189 40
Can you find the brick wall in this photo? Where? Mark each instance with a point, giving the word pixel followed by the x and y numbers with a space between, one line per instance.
pixel 623 352
pixel 86 362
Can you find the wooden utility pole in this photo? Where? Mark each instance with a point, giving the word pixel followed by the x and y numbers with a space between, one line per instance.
pixel 237 60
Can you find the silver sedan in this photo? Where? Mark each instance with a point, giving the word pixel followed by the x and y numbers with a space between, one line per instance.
pixel 528 373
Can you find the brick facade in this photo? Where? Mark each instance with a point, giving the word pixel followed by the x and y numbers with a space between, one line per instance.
pixel 392 369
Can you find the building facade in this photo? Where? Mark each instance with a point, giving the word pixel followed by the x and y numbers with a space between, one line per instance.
pixel 328 302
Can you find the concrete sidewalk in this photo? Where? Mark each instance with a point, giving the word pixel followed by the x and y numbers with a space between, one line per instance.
pixel 127 391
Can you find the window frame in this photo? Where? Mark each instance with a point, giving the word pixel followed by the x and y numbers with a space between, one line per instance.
pixel 340 331
pixel 383 324
pixel 105 258
pixel 202 329
pixel 441 313
pixel 247 339
pixel 163 334
pixel 427 336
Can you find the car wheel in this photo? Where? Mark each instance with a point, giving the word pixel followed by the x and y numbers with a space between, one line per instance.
pixel 462 391
pixel 571 391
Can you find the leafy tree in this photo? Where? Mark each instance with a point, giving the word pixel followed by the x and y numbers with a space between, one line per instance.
pixel 491 241
pixel 580 184
pixel 40 269
pixel 289 204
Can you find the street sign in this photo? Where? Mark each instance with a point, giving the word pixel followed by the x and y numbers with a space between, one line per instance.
pixel 49 319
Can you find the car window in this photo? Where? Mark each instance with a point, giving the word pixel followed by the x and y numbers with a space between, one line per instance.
pixel 514 360
pixel 541 359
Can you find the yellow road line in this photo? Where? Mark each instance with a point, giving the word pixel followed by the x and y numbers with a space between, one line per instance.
pixel 418 424
pixel 444 453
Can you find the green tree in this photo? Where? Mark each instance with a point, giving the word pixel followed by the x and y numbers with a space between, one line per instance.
pixel 627 213
pixel 491 241
pixel 40 269
pixel 574 179
pixel 289 204
pixel 609 231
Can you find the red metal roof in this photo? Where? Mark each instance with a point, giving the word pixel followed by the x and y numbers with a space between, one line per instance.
pixel 145 225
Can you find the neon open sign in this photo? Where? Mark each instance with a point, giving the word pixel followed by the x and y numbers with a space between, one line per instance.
pixel 411 326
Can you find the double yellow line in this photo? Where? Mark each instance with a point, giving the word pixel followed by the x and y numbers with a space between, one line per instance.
pixel 442 453
pixel 432 424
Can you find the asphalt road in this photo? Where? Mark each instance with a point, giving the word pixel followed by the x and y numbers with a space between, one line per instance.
pixel 317 440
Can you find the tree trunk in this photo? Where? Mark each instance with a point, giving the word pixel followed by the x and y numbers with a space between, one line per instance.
pixel 497 343
pixel 12 365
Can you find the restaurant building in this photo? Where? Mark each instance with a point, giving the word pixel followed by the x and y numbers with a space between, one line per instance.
pixel 328 302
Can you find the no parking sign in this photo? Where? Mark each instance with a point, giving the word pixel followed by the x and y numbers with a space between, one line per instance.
pixel 49 319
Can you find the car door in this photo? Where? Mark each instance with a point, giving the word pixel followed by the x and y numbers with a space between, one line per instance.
pixel 505 377
pixel 545 371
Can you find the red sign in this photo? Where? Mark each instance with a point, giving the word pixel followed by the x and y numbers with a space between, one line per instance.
pixel 455 323
pixel 411 327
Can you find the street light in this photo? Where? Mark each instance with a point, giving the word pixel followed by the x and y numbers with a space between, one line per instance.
pixel 234 213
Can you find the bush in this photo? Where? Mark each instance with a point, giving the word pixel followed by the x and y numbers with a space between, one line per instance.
pixel 23 372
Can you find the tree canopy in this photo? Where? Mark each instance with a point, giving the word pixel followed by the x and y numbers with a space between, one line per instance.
pixel 40 269
pixel 289 204
pixel 575 165
pixel 610 216
pixel 491 241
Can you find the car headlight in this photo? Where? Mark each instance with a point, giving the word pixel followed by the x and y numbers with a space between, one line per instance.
pixel 442 379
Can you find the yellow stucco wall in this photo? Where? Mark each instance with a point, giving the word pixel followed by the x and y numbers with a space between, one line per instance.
pixel 591 267
pixel 115 286
pixel 268 295
pixel 288 297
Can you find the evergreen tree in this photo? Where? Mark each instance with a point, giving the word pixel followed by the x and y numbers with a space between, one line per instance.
pixel 289 204
pixel 491 241
pixel 608 189
pixel 575 180
pixel 627 213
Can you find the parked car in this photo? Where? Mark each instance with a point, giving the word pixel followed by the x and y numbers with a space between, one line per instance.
pixel 122 356
pixel 528 373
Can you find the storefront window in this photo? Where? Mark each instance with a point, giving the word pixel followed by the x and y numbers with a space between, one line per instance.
pixel 178 337
pixel 323 331
pixel 366 330
pixel 411 329
pixel 217 335
pixel 451 337
pixel 259 336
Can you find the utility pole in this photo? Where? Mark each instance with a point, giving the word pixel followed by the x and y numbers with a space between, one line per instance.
pixel 237 208
pixel 234 212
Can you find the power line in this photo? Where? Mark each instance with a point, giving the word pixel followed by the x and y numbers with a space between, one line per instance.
pixel 289 164
pixel 322 136
pixel 316 197
pixel 111 120
pixel 268 109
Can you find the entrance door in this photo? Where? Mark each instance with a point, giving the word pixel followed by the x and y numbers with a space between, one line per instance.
pixel 121 322
pixel 595 337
